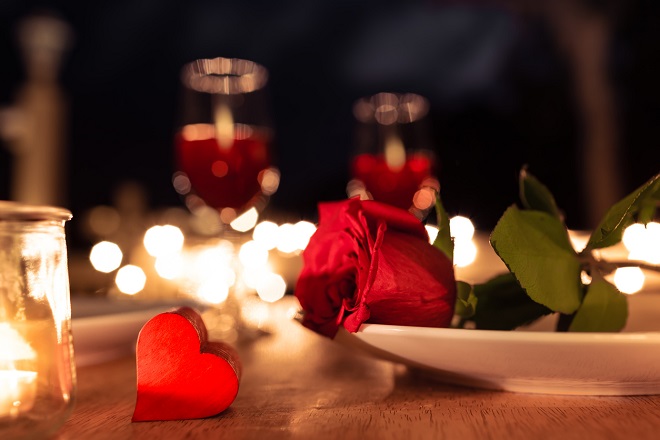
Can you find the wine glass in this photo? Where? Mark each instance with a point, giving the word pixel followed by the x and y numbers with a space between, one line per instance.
pixel 393 161
pixel 224 168
pixel 223 142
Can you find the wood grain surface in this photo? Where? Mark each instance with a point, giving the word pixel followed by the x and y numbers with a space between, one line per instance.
pixel 297 384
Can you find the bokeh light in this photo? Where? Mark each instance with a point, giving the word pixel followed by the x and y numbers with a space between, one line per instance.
pixel 270 287
pixel 465 252
pixel 286 238
pixel 643 242
pixel 130 279
pixel 461 228
pixel 105 256
pixel 169 266
pixel 265 233
pixel 253 255
pixel 163 240
pixel 245 221
pixel 629 279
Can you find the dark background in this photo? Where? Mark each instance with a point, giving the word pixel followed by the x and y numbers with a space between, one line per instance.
pixel 501 92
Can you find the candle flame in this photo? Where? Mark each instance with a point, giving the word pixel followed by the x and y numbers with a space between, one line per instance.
pixel 395 153
pixel 224 126
pixel 14 347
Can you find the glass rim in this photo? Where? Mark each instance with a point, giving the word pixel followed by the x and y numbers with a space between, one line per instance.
pixel 225 76
pixel 10 210
pixel 387 108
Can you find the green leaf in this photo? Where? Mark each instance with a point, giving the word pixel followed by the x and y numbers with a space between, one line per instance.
pixel 535 247
pixel 466 302
pixel 535 195
pixel 503 305
pixel 620 216
pixel 648 208
pixel 443 240
pixel 604 309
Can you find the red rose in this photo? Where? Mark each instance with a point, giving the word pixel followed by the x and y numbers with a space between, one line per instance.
pixel 372 262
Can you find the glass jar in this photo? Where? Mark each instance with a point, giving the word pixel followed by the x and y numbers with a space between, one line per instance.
pixel 37 370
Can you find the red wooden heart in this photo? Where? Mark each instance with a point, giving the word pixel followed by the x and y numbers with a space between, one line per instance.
pixel 180 374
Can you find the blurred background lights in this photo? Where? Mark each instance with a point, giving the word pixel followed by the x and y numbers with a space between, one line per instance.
pixel 245 221
pixel 213 290
pixel 270 287
pixel 253 254
pixel 461 228
pixel 163 240
pixel 303 231
pixel 130 279
pixel 643 242
pixel 265 233
pixel 169 266
pixel 105 256
pixel 629 279
pixel 269 179
pixel 465 252
pixel 286 238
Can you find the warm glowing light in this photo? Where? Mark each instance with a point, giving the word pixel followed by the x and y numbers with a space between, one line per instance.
pixel 227 215
pixel 432 231
pixel 424 198
pixel 585 277
pixel 578 240
pixel 643 242
pixel 163 240
pixel 255 311
pixel 224 126
pixel 461 228
pixel 303 231
pixel 253 255
pixel 197 132
pixel 465 252
pixel 245 221
pixel 18 388
pixel 629 279
pixel 213 290
pixel 269 179
pixel 18 391
pixel 634 236
pixel 181 183
pixel 214 262
pixel 105 256
pixel 395 153
pixel 271 287
pixel 130 279
pixel 169 266
pixel 265 233
pixel 286 238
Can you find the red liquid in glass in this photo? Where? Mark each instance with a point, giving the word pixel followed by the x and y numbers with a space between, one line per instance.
pixel 394 186
pixel 223 176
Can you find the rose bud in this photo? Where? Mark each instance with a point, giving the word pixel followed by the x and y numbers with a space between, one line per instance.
pixel 372 262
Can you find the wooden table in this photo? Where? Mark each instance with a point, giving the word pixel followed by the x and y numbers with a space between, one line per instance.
pixel 297 384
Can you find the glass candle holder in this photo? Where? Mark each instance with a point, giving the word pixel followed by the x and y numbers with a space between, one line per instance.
pixel 37 371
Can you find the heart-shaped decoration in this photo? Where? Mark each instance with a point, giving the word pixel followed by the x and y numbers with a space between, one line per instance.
pixel 180 374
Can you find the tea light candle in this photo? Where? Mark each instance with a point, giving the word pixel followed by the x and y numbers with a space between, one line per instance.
pixel 18 388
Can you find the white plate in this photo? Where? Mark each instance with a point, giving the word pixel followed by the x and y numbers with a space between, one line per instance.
pixel 104 329
pixel 626 363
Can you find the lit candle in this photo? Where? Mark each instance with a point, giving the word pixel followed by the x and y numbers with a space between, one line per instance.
pixel 18 387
